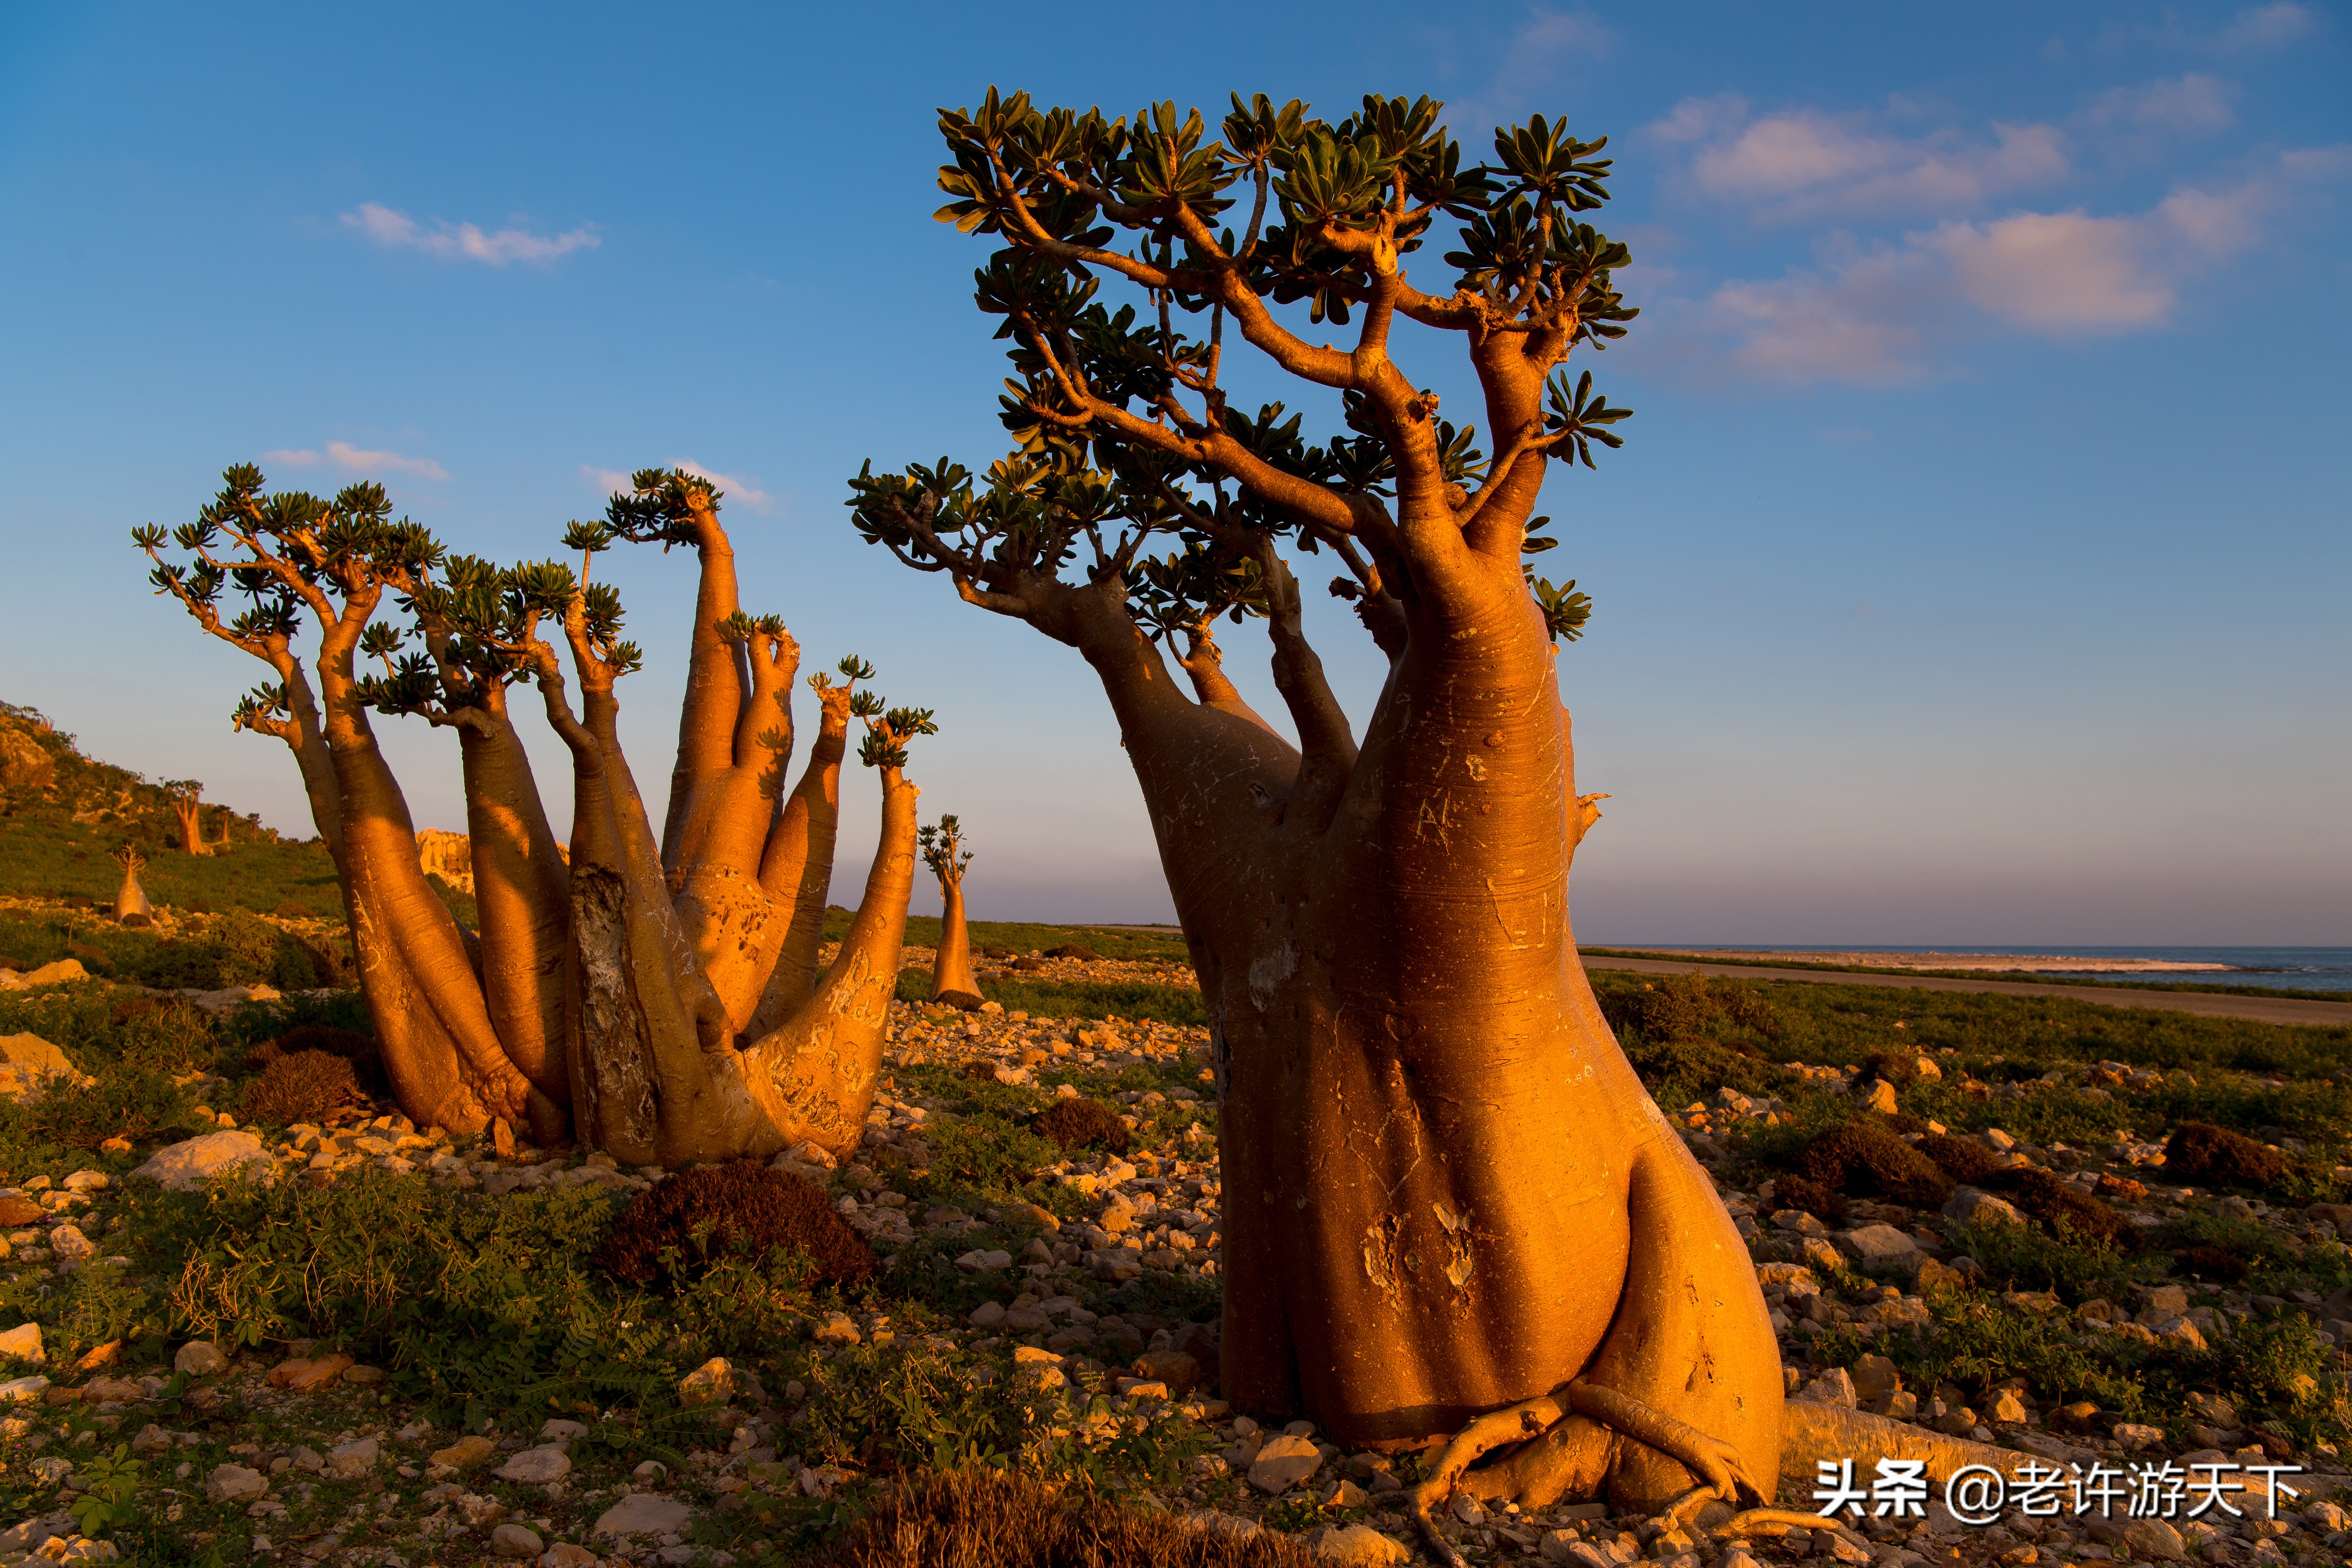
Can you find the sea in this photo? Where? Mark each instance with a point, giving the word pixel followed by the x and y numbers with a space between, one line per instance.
pixel 2282 968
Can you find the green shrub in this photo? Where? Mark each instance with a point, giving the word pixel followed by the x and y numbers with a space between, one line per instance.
pixel 124 1099
pixel 676 1229
pixel 1689 1007
pixel 236 949
pixel 476 1306
pixel 985 1153
pixel 907 1406
pixel 2079 1267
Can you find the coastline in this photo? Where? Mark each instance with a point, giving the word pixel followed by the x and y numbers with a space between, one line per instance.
pixel 1986 962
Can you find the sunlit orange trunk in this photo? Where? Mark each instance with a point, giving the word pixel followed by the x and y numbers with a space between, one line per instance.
pixel 522 891
pixel 952 976
pixel 439 1045
pixel 190 811
pixel 799 864
pixel 1422 1112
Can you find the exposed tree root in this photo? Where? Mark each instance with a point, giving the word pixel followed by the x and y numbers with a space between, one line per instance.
pixel 1572 1431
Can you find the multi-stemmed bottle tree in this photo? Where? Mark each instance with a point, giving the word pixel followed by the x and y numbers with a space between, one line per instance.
pixel 1447 1192
pixel 655 999
pixel 187 798
pixel 944 853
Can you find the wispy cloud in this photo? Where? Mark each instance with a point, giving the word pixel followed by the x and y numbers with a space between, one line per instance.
pixel 1879 313
pixel 357 460
pixel 1530 71
pixel 2181 104
pixel 1805 162
pixel 2269 26
pixel 464 241
pixel 737 491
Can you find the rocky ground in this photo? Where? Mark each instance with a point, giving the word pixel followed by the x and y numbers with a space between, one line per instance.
pixel 1094 1300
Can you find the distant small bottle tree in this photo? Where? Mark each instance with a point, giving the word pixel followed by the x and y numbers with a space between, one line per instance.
pixel 130 905
pixel 187 798
pixel 944 853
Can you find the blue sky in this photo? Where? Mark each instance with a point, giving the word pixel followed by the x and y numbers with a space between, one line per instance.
pixel 1975 570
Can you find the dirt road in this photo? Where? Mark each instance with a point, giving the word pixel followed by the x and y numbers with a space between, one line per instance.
pixel 2267 1009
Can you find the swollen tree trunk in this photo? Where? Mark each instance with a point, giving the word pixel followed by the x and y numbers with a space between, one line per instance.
pixel 952 976
pixel 799 863
pixel 522 896
pixel 187 805
pixel 130 899
pixel 440 1047
pixel 659 1074
pixel 1424 1113
pixel 616 996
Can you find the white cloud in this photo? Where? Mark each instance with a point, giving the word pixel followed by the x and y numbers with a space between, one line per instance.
pixel 2056 273
pixel 2189 102
pixel 2269 26
pixel 357 460
pixel 1805 160
pixel 1880 314
pixel 742 492
pixel 732 490
pixel 397 230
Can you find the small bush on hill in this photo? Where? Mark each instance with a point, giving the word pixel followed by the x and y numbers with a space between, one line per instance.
pixel 2200 1151
pixel 678 1227
pixel 1079 1122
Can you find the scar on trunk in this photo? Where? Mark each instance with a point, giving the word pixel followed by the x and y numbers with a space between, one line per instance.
pixel 1440 818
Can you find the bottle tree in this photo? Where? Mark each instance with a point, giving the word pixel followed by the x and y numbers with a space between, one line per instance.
pixel 187 798
pixel 951 977
pixel 1447 1194
pixel 658 999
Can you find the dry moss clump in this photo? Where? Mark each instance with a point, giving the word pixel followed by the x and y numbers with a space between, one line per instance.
pixel 676 1228
pixel 2058 1204
pixel 358 1050
pixel 1079 1122
pixel 302 1086
pixel 1863 1160
pixel 985 1518
pixel 1967 1162
pixel 1798 1192
pixel 2200 1151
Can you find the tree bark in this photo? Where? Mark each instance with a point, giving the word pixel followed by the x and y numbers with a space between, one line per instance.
pixel 523 893
pixel 799 863
pixel 1424 1113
